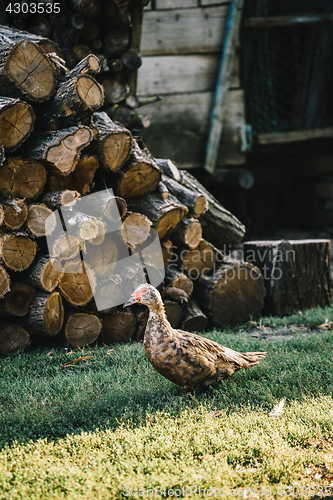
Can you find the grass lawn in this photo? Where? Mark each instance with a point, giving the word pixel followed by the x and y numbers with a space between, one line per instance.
pixel 111 425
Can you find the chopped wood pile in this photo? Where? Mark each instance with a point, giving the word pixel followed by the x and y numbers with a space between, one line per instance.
pixel 57 148
pixel 71 30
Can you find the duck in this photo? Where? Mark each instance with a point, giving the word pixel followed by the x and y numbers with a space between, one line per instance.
pixel 186 359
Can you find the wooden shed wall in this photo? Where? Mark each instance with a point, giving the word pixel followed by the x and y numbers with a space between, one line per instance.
pixel 181 46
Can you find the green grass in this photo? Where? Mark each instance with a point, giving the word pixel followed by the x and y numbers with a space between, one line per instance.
pixel 90 430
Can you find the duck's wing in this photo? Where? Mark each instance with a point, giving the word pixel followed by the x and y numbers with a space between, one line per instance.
pixel 225 355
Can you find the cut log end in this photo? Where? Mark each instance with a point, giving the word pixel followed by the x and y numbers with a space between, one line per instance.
pixel 118 327
pixel 82 329
pixel 16 122
pixel 19 298
pixel 41 220
pixel 31 71
pixel 12 339
pixel 17 252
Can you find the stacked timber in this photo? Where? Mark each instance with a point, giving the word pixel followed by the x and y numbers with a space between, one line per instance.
pixel 61 251
pixel 105 34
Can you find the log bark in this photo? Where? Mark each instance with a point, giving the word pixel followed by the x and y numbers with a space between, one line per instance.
pixel 12 338
pixel 74 55
pixel 219 226
pixel 188 234
pixel 15 213
pixel 89 65
pixel 41 220
pixel 17 36
pixel 164 214
pixel 17 251
pixel 297 273
pixel 169 168
pixel 18 300
pixel 202 260
pixel 81 180
pixel 17 120
pixel 25 69
pixel 45 273
pixel 197 203
pixel 82 329
pixel 78 283
pixel 85 227
pixel 57 199
pixel 46 315
pixel 174 313
pixel 2 154
pixel 233 295
pixel 194 320
pixel 135 229
pixel 115 89
pixel 118 327
pixel 115 42
pixel 74 103
pixel 131 60
pixel 91 9
pixel 174 278
pixel 167 252
pixel 4 282
pixel 113 143
pixel 142 175
pixel 59 150
pixel 22 178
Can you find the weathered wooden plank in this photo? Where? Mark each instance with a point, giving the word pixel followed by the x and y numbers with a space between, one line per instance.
pixel 175 4
pixel 183 31
pixel 179 127
pixel 175 74
pixel 295 136
pixel 214 2
pixel 257 22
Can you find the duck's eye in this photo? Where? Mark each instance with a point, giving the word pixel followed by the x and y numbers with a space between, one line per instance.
pixel 144 291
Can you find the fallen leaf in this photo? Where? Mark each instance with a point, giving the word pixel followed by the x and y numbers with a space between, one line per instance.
pixel 328 325
pixel 216 413
pixel 278 410
pixel 220 454
pixel 75 361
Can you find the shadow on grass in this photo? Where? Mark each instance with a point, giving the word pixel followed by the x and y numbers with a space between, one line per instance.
pixel 41 399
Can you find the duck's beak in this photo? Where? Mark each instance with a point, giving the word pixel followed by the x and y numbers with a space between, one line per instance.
pixel 132 300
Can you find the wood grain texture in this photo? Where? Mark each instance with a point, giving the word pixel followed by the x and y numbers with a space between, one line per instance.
pixel 183 31
pixel 175 74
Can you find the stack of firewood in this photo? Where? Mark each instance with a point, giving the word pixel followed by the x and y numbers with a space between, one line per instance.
pixel 109 29
pixel 56 148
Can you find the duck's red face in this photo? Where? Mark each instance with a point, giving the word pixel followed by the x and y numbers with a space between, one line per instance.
pixel 137 296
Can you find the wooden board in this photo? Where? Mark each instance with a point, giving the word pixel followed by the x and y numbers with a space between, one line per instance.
pixel 182 32
pixel 175 4
pixel 213 2
pixel 179 126
pixel 175 74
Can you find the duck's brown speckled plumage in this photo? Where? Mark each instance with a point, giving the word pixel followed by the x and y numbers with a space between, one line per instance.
pixel 186 359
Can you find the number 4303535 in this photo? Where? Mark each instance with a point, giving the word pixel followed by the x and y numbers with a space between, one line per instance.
pixel 33 8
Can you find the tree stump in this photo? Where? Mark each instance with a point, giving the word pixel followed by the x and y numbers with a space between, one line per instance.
pixel 232 295
pixel 297 273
